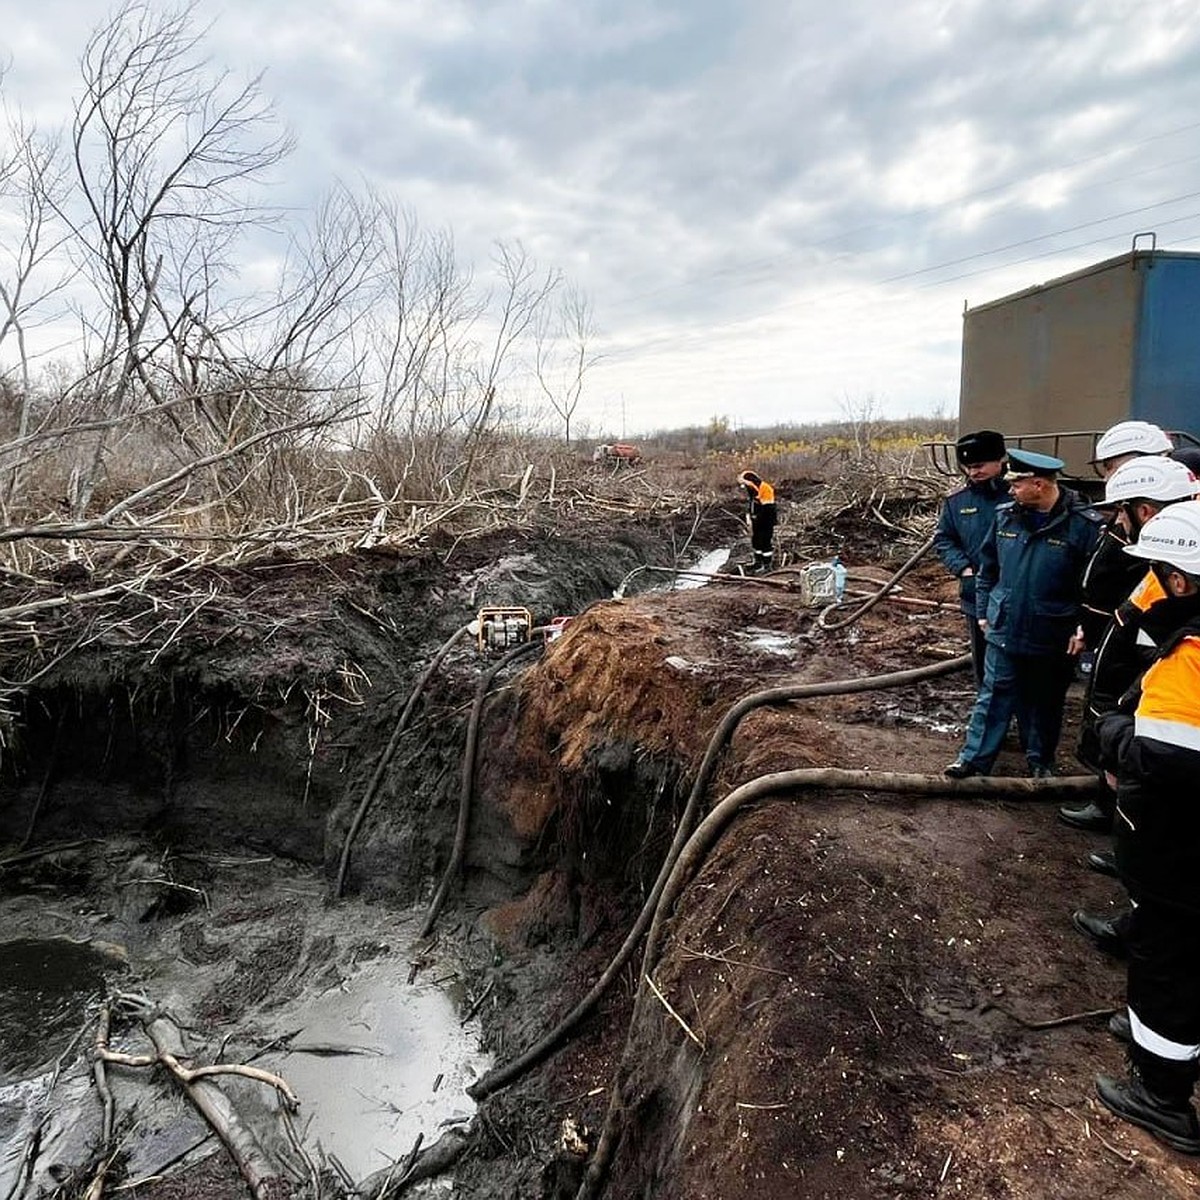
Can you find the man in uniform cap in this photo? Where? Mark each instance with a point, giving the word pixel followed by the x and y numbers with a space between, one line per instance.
pixel 1027 597
pixel 965 520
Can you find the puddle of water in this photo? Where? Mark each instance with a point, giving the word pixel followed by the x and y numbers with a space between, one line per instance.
pixel 770 641
pixel 369 1108
pixel 710 564
pixel 45 986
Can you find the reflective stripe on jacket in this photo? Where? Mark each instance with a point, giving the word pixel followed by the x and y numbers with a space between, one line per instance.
pixel 1155 753
pixel 1169 710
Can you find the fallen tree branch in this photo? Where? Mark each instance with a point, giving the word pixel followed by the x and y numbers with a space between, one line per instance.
pixel 435 1160
pixel 253 1162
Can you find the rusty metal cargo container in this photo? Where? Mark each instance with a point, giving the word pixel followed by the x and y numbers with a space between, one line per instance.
pixel 1114 341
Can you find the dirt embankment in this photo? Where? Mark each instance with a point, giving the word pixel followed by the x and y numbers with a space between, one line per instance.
pixel 851 989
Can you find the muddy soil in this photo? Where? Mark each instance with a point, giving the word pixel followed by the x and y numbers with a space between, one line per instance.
pixel 863 978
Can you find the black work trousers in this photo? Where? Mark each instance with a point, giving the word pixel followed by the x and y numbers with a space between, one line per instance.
pixel 1164 980
pixel 762 528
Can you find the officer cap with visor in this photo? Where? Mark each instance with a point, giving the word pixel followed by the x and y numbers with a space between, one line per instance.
pixel 1028 464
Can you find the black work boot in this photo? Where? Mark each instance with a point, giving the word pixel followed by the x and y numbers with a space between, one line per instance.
pixel 1090 816
pixel 764 562
pixel 1105 934
pixel 1103 862
pixel 1157 1096
pixel 961 769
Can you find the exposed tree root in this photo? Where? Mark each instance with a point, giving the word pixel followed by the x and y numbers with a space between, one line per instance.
pixel 454 865
pixel 386 757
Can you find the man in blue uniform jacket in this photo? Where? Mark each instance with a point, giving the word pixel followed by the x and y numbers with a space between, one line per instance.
pixel 966 520
pixel 1027 602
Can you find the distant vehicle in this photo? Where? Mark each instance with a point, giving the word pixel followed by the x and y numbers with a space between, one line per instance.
pixel 617 453
pixel 1054 366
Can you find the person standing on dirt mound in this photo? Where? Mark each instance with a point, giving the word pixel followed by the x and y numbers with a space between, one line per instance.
pixel 1136 491
pixel 1141 624
pixel 1027 604
pixel 965 520
pixel 760 518
pixel 1127 440
pixel 1107 582
pixel 1152 748
pixel 1111 575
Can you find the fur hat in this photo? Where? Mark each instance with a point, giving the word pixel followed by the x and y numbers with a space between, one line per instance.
pixel 985 446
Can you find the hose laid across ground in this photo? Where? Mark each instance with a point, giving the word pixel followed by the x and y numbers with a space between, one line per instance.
pixel 501 1077
pixel 700 843
pixel 468 777
pixel 386 757
pixel 864 608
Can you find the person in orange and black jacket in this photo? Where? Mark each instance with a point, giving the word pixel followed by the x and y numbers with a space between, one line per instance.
pixel 1151 748
pixel 760 516
pixel 965 521
pixel 1137 490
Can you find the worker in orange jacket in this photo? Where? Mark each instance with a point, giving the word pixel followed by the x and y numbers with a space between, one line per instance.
pixel 1151 748
pixel 760 517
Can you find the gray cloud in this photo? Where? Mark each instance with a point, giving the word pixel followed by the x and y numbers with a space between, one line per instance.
pixel 727 178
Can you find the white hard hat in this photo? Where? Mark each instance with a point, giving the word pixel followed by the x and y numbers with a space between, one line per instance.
pixel 1151 478
pixel 1172 537
pixel 1132 437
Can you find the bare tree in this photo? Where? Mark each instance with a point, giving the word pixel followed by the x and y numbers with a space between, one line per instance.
pixel 563 355
pixel 31 270
pixel 163 151
pixel 522 295
pixel 861 415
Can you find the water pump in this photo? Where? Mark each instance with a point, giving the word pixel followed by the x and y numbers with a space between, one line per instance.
pixel 501 628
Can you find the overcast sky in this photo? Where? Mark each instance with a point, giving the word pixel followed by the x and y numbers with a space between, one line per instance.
pixel 778 209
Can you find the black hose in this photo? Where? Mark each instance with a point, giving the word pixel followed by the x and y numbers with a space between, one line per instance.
pixel 454 865
pixel 386 757
pixel 867 605
pixel 501 1077
pixel 697 847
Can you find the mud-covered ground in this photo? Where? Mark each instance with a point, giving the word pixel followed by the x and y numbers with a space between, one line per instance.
pixel 856 989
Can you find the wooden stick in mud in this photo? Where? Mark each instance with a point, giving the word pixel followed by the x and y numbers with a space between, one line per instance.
pixel 252 1161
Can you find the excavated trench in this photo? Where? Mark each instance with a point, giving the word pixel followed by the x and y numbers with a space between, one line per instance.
pixel 174 813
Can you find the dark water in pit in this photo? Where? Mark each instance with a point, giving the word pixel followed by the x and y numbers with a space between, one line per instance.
pixel 45 985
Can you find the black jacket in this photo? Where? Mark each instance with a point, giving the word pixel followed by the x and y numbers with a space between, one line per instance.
pixel 1152 744
pixel 1109 577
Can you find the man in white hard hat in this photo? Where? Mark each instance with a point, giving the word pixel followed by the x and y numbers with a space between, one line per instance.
pixel 1135 491
pixel 1152 748
pixel 1140 490
pixel 1126 440
pixel 1110 575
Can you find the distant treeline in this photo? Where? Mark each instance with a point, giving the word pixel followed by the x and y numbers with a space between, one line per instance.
pixel 718 434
